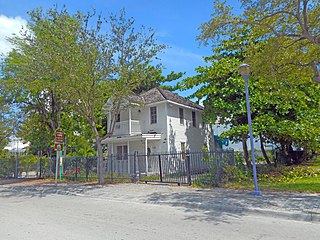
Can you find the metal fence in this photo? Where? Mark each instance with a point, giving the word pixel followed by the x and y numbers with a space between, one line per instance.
pixel 12 167
pixel 208 168
pixel 80 168
pixel 180 168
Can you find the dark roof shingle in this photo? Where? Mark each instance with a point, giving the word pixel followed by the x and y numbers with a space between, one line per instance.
pixel 157 95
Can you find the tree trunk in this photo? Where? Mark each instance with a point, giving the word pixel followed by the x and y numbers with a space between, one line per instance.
pixel 263 150
pixel 245 152
pixel 100 162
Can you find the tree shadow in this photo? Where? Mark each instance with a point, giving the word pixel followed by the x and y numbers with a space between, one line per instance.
pixel 45 189
pixel 219 205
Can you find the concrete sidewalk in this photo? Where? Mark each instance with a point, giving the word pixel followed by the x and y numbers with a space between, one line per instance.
pixel 218 201
pixel 295 206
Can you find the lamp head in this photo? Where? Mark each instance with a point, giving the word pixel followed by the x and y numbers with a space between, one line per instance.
pixel 244 70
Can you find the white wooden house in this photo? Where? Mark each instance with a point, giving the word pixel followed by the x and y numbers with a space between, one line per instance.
pixel 163 122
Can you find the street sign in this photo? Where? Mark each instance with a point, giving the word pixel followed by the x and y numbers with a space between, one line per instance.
pixel 58 147
pixel 59 136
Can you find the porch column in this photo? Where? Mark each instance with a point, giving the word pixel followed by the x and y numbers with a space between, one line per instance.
pixel 129 110
pixel 146 155
pixel 112 148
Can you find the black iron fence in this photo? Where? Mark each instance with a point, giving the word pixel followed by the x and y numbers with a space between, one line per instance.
pixel 80 168
pixel 18 167
pixel 181 168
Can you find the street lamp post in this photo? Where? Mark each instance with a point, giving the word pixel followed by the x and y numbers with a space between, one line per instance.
pixel 244 70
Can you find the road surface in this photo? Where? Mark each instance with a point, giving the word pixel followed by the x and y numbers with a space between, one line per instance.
pixel 132 212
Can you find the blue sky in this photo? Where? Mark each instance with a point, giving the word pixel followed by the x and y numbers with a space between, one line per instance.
pixel 176 23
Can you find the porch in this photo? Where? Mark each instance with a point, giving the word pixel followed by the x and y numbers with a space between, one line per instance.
pixel 123 148
pixel 128 127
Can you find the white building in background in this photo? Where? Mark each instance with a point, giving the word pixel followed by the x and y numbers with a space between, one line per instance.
pixel 218 129
pixel 162 122
pixel 17 145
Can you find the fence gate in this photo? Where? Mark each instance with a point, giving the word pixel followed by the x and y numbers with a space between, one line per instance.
pixel 184 168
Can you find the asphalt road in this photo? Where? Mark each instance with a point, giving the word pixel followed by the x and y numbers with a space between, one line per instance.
pixel 133 211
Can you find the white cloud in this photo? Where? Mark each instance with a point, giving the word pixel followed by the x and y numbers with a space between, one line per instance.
pixel 8 27
pixel 182 53
pixel 181 59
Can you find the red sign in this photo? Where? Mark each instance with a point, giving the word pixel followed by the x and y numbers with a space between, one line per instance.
pixel 59 136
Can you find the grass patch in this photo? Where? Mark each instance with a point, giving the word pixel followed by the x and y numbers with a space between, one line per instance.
pixel 302 178
pixel 310 185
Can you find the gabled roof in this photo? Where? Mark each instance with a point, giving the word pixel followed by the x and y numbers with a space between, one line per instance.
pixel 157 95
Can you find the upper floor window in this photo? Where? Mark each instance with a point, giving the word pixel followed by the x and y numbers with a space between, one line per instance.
pixel 181 115
pixel 153 115
pixel 194 120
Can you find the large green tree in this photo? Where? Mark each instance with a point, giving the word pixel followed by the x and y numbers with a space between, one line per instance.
pixel 222 88
pixel 283 51
pixel 283 24
pixel 77 63
pixel 284 105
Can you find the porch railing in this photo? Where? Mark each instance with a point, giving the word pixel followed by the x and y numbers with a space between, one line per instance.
pixel 122 128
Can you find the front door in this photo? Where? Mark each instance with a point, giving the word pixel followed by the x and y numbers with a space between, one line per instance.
pixel 121 165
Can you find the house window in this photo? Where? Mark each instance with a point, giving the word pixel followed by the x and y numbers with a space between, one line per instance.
pixel 153 115
pixel 181 115
pixel 122 152
pixel 119 152
pixel 183 150
pixel 148 151
pixel 118 118
pixel 194 120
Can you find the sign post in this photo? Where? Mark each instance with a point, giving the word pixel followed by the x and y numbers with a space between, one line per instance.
pixel 61 165
pixel 58 143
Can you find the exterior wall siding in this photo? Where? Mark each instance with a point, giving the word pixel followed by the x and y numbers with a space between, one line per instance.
pixel 173 133
pixel 193 137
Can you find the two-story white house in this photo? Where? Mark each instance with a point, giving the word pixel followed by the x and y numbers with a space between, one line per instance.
pixel 163 122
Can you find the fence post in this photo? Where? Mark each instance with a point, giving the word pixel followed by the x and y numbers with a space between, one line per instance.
pixel 218 161
pixel 135 166
pixel 111 167
pixel 76 169
pixel 17 165
pixel 40 174
pixel 86 168
pixel 160 168
pixel 188 168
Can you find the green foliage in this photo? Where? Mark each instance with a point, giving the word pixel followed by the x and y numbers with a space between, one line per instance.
pixel 288 174
pixel 7 166
pixel 155 177
pixel 154 78
pixel 284 101
pixel 65 68
pixel 235 174
pixel 9 118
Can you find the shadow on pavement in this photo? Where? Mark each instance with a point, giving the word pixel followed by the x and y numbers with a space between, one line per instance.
pixel 43 189
pixel 214 204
